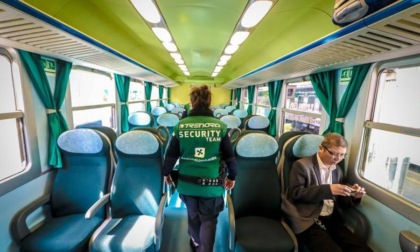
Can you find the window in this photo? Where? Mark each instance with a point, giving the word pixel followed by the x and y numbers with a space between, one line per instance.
pixel 244 99
pixel 165 95
pixel 11 124
pixel 301 109
pixel 136 97
pixel 154 99
pixel 93 97
pixel 392 135
pixel 263 101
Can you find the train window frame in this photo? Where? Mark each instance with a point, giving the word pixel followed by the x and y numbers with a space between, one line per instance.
pixel 262 108
pixel 360 155
pixel 285 110
pixel 243 102
pixel 25 121
pixel 109 105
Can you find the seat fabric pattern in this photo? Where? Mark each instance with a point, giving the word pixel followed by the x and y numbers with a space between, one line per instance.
pixel 135 194
pixel 256 196
pixel 76 187
pixel 140 119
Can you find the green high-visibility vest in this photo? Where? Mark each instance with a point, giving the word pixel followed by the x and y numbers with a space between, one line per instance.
pixel 200 138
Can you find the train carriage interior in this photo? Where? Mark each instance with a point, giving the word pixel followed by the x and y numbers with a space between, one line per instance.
pixel 279 71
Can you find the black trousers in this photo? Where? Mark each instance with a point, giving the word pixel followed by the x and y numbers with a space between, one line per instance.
pixel 330 235
pixel 202 219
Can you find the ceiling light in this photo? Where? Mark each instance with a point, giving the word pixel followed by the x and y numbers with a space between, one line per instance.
pixel 187 73
pixel 162 34
pixel 147 10
pixel 183 67
pixel 176 56
pixel 255 13
pixel 214 74
pixel 221 63
pixel 217 69
pixel 179 61
pixel 230 49
pixel 239 37
pixel 225 57
pixel 171 47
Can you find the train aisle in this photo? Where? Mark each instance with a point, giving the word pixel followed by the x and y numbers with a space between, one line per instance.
pixel 175 237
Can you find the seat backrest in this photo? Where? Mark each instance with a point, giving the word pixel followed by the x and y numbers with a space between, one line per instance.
pixel 257 187
pixel 219 112
pixel 140 119
pixel 157 111
pixel 168 120
pixel 230 108
pixel 300 146
pixel 84 177
pixel 169 107
pixel 178 111
pixel 231 121
pixel 257 122
pixel 242 114
pixel 137 185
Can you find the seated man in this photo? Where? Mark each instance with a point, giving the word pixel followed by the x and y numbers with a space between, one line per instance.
pixel 315 192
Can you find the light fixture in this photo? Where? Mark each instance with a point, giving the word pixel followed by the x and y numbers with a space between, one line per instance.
pixel 218 68
pixel 230 49
pixel 176 56
pixel 225 57
pixel 255 12
pixel 179 61
pixel 239 37
pixel 147 10
pixel 214 74
pixel 162 34
pixel 221 63
pixel 183 67
pixel 171 47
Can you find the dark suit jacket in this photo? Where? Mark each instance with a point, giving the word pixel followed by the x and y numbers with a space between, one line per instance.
pixel 305 195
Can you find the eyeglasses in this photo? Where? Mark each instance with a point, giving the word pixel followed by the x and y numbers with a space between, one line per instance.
pixel 333 154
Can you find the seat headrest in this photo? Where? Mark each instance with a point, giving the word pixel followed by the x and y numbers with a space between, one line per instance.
pixel 86 141
pixel 231 121
pixel 241 113
pixel 139 118
pixel 220 112
pixel 158 111
pixel 256 145
pixel 168 119
pixel 258 122
pixel 137 142
pixel 307 145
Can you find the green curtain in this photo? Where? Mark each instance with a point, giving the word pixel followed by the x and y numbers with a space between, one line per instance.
pixel 324 86
pixel 231 97
pixel 238 97
pixel 161 96
pixel 123 87
pixel 356 81
pixel 148 90
pixel 169 95
pixel 251 91
pixel 56 122
pixel 274 90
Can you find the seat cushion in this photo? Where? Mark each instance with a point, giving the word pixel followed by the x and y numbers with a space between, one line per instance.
pixel 131 233
pixel 262 235
pixel 66 233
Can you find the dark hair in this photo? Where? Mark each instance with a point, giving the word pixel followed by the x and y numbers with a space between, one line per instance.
pixel 334 140
pixel 200 97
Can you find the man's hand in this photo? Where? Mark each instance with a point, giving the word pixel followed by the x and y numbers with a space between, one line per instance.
pixel 339 189
pixel 357 191
pixel 229 184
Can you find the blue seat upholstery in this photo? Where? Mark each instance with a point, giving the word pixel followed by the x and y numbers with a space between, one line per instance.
pixel 219 112
pixel 178 111
pixel 168 120
pixel 230 109
pixel 157 111
pixel 140 119
pixel 257 122
pixel 135 194
pixel 231 121
pixel 169 107
pixel 242 114
pixel 81 181
pixel 302 144
pixel 255 202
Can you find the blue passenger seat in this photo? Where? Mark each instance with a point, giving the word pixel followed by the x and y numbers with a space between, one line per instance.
pixel 135 194
pixel 81 181
pixel 256 219
pixel 169 120
pixel 140 119
pixel 257 122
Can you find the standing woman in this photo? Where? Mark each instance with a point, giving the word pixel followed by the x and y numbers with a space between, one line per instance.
pixel 200 141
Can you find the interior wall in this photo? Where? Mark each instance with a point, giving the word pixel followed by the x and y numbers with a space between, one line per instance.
pixel 180 94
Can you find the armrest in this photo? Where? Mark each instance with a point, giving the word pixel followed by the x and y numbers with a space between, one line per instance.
pixel 97 206
pixel 231 223
pixel 159 221
pixel 19 227
pixel 290 232
pixel 356 222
